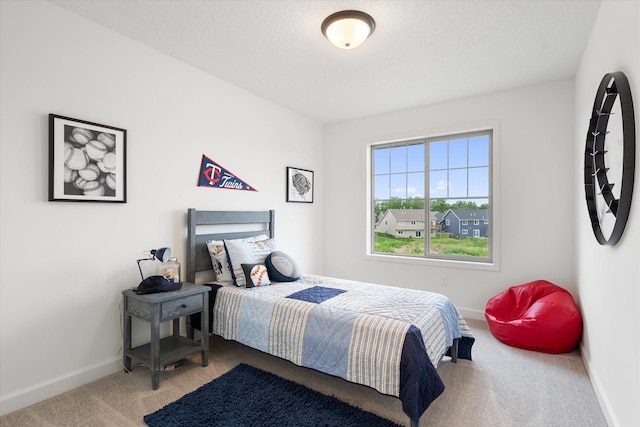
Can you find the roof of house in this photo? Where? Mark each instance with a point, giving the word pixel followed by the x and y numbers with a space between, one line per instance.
pixel 410 214
pixel 468 214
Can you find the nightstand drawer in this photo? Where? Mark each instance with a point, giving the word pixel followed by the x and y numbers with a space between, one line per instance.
pixel 181 307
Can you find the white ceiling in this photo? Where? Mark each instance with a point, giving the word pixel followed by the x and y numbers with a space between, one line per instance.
pixel 422 52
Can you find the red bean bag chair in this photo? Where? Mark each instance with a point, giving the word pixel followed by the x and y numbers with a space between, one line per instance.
pixel 537 316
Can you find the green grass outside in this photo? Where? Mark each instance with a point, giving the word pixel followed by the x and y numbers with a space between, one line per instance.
pixel 442 244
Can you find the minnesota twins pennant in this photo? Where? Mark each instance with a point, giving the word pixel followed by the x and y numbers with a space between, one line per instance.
pixel 215 176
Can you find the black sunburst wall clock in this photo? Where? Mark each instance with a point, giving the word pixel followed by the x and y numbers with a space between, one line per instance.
pixel 609 158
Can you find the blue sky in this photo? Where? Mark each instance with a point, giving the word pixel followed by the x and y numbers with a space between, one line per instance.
pixel 458 169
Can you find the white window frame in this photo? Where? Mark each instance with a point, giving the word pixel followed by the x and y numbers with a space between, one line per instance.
pixel 494 216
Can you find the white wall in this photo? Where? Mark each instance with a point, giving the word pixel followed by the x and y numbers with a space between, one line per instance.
pixel 608 278
pixel 534 189
pixel 64 265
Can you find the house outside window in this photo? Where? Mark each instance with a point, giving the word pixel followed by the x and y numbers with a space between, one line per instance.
pixel 446 182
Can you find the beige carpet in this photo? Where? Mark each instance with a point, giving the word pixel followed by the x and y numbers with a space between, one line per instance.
pixel 502 386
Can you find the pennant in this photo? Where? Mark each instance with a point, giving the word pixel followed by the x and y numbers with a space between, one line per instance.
pixel 215 176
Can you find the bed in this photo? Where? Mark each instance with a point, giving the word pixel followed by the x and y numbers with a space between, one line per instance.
pixel 387 338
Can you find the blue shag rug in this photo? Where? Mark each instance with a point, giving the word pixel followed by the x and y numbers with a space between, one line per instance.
pixel 247 396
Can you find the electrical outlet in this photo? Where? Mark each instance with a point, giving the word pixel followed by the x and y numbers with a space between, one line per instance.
pixel 444 280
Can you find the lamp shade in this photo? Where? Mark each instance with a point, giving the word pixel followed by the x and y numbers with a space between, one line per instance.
pixel 161 254
pixel 348 29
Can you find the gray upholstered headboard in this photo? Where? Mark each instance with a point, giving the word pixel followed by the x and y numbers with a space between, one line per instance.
pixel 201 227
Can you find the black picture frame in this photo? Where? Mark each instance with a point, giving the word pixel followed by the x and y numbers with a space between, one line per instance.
pixel 299 185
pixel 87 161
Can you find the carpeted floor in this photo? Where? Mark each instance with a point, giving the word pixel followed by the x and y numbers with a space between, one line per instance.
pixel 502 387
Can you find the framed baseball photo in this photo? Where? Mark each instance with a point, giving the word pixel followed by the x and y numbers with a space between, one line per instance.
pixel 299 185
pixel 87 161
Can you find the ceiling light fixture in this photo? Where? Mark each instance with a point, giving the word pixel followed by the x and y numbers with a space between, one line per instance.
pixel 348 29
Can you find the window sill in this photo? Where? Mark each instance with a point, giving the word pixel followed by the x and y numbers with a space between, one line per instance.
pixel 431 262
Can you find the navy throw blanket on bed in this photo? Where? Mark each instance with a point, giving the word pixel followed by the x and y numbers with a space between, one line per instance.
pixel 420 383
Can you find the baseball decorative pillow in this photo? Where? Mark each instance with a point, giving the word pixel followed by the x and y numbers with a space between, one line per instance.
pixel 282 268
pixel 256 275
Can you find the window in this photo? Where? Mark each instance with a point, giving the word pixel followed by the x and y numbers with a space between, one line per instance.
pixel 442 181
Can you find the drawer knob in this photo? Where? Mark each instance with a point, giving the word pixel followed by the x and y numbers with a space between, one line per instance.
pixel 183 305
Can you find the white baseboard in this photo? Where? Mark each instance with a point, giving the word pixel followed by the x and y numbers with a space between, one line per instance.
pixel 19 399
pixel 469 313
pixel 608 412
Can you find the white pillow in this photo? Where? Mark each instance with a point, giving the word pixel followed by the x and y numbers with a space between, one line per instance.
pixel 241 251
pixel 262 248
pixel 220 261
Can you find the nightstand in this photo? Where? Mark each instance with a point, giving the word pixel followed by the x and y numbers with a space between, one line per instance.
pixel 162 307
